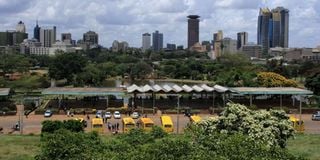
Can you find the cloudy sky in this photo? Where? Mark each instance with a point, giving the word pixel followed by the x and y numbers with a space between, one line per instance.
pixel 126 20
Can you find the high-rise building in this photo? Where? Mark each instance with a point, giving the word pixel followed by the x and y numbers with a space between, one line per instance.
pixel 119 46
pixel 91 38
pixel 21 27
pixel 157 41
pixel 36 32
pixel 48 36
pixel 229 46
pixel 280 27
pixel 242 39
pixel 217 45
pixel 273 28
pixel 11 37
pixel 66 37
pixel 193 30
pixel 146 41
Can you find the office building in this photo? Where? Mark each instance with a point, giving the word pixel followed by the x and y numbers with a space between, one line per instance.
pixel 21 27
pixel 11 37
pixel 242 39
pixel 207 44
pixel 66 37
pixel 280 27
pixel 229 46
pixel 27 43
pixel 252 50
pixel 119 46
pixel 48 36
pixel 193 30
pixel 36 32
pixel 171 47
pixel 157 41
pixel 91 38
pixel 273 28
pixel 217 45
pixel 146 41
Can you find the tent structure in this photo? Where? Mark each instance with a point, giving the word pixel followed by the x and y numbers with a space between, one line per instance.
pixel 176 89
pixel 4 91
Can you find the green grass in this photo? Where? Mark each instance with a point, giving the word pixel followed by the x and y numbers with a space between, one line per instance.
pixel 305 145
pixel 15 147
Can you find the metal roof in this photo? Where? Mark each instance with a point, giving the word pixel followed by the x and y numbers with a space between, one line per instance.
pixel 269 91
pixel 84 91
pixel 4 91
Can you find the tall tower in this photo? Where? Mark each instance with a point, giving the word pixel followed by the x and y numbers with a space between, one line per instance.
pixel 36 32
pixel 157 41
pixel 193 30
pixel 242 39
pixel 264 35
pixel 146 41
pixel 21 27
pixel 48 36
pixel 280 27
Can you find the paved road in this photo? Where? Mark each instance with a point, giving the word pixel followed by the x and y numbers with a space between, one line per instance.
pixel 32 124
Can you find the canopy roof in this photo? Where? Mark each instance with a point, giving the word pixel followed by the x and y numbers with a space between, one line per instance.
pixel 84 91
pixel 176 88
pixel 4 91
pixel 270 91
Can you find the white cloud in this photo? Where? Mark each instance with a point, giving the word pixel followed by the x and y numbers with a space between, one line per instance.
pixel 128 19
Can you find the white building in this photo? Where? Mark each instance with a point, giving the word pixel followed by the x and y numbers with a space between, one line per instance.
pixel 21 27
pixel 146 41
pixel 27 44
pixel 119 46
pixel 64 47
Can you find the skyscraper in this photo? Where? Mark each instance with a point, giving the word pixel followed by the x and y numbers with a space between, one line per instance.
pixel 280 27
pixel 48 36
pixel 273 28
pixel 21 27
pixel 146 41
pixel 36 32
pixel 157 41
pixel 242 39
pixel 217 45
pixel 264 35
pixel 193 30
pixel 91 38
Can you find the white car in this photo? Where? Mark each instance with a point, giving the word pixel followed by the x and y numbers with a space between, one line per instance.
pixel 135 115
pixel 107 115
pixel 116 115
pixel 99 114
pixel 48 113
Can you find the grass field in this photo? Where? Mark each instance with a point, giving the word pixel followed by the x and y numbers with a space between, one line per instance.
pixel 14 147
pixel 306 145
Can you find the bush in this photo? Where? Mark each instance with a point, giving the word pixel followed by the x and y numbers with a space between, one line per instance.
pixel 52 126
pixel 158 132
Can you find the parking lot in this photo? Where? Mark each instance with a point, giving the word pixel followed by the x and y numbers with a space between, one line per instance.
pixel 32 124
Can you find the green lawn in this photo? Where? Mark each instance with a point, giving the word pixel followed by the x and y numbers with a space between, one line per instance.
pixel 306 145
pixel 15 147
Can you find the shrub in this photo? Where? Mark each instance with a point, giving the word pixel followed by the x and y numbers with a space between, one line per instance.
pixel 52 126
pixel 158 132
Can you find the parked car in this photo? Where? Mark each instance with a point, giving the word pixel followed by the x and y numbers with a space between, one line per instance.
pixel 135 115
pixel 99 114
pixel 107 115
pixel 316 116
pixel 48 113
pixel 116 115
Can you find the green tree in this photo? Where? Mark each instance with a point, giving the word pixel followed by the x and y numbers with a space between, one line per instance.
pixel 313 82
pixel 66 66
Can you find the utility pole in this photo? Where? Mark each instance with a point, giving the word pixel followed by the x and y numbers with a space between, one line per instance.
pixel 178 110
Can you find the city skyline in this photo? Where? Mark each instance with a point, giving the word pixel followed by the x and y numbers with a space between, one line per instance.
pixel 123 20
